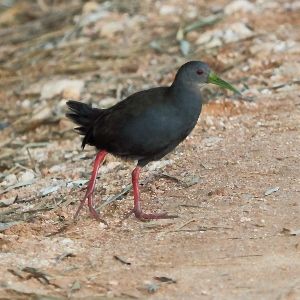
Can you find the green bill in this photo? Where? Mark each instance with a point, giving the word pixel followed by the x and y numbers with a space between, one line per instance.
pixel 215 79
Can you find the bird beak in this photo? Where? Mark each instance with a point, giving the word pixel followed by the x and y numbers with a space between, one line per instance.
pixel 215 79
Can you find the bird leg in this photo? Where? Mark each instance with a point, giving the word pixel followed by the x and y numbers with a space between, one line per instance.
pixel 90 188
pixel 137 205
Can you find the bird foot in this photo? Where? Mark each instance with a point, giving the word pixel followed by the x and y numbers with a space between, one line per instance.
pixel 155 216
pixel 95 215
pixel 89 197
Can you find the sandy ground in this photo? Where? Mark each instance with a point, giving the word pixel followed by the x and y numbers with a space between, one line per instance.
pixel 234 184
pixel 231 241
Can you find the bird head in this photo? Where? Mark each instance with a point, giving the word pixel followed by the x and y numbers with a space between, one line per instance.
pixel 199 73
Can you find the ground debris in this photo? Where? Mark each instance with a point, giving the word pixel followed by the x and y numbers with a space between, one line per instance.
pixel 121 260
pixel 33 273
pixel 49 190
pixel 165 279
pixel 290 232
pixel 76 286
pixel 4 226
pixel 271 191
pixel 61 257
pixel 99 52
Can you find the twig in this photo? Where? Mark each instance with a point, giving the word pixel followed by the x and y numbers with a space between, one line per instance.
pixel 119 196
pixel 210 20
pixel 184 224
pixel 121 260
pixel 33 163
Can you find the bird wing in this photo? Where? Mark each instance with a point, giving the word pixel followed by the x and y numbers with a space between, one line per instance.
pixel 141 125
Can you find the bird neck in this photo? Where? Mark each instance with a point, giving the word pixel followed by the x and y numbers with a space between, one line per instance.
pixel 184 91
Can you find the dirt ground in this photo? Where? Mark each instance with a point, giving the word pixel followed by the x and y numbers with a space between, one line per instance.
pixel 234 183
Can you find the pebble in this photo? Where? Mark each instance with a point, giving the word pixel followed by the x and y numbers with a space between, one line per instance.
pixel 236 31
pixel 57 168
pixel 233 33
pixel 90 6
pixel 71 88
pixel 107 102
pixel 110 166
pixel 168 10
pixel 239 6
pixel 159 164
pixel 26 176
pixel 211 141
pixel 109 29
pixel 77 183
pixel 49 190
pixel 25 103
pixel 10 179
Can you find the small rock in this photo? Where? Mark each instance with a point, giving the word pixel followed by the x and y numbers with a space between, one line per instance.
pixel 110 166
pixel 10 179
pixel 292 6
pixel 4 226
pixel 7 202
pixel 3 125
pixel 236 31
pixel 289 69
pixel 49 190
pixel 26 103
pixel 89 7
pixel 151 287
pixel 156 165
pixel 26 176
pixel 93 17
pixel 102 226
pixel 76 286
pixel 70 88
pixel 77 183
pixel 266 92
pixel 271 191
pixel 246 197
pixel 245 219
pixel 109 29
pixel 239 5
pixel 211 38
pixel 108 102
pixel 211 141
pixel 57 168
pixel 168 10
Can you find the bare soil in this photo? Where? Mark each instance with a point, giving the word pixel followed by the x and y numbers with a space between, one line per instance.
pixel 234 184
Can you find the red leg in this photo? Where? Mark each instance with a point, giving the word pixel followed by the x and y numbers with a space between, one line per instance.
pixel 90 188
pixel 137 206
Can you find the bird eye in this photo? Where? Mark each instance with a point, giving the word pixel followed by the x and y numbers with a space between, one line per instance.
pixel 199 72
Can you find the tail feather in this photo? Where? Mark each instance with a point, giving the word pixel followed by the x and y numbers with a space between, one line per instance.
pixel 84 116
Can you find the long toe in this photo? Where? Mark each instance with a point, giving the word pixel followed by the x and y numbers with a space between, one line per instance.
pixel 95 215
pixel 82 202
pixel 155 216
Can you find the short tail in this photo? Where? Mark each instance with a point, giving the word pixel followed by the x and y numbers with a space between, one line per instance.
pixel 84 116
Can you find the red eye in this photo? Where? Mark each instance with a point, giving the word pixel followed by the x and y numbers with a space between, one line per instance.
pixel 199 72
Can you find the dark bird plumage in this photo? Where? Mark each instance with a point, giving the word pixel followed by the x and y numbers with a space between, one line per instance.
pixel 145 126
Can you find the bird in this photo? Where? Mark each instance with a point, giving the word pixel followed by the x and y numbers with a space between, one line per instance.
pixel 145 127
